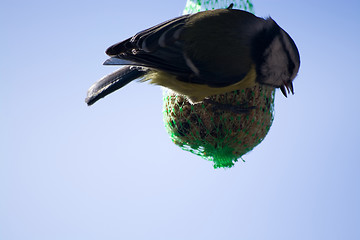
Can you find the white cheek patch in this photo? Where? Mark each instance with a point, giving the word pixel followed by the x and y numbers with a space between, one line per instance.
pixel 276 62
pixel 292 54
pixel 277 56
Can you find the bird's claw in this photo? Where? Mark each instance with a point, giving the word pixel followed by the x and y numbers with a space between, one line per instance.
pixel 287 87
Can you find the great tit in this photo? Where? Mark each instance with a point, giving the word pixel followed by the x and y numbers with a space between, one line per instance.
pixel 204 54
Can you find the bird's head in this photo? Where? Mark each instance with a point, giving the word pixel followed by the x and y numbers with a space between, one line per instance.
pixel 276 56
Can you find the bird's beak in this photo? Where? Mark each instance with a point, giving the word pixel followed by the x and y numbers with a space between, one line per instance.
pixel 287 87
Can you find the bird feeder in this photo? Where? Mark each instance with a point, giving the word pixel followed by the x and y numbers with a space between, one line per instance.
pixel 224 127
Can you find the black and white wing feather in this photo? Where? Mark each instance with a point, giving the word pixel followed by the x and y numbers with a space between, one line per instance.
pixel 158 47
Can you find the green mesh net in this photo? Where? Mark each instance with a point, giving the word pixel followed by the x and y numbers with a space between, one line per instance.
pixel 224 127
pixel 193 6
pixel 218 129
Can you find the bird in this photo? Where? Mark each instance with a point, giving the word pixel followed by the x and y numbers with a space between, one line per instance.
pixel 204 54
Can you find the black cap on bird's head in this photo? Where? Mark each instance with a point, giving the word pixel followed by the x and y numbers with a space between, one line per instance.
pixel 276 56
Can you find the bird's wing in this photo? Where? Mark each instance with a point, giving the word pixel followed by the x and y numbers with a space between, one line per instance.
pixel 188 47
pixel 158 47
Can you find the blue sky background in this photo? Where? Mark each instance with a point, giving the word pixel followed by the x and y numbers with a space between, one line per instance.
pixel 110 171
